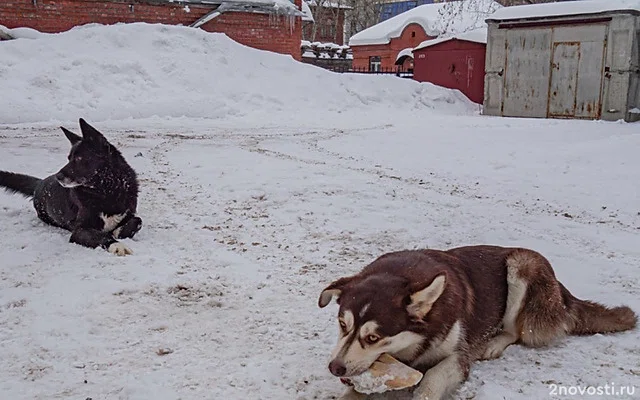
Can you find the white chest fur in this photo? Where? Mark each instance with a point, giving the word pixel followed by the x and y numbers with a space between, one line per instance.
pixel 441 348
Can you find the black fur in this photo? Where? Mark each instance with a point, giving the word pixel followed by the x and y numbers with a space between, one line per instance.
pixel 97 182
pixel 18 183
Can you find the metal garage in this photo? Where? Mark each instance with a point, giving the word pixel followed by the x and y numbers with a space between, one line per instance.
pixel 578 59
pixel 454 62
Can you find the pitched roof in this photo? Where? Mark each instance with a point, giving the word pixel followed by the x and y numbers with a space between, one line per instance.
pixel 564 8
pixel 477 36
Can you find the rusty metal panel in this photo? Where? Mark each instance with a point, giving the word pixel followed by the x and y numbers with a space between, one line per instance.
pixel 598 76
pixel 590 76
pixel 526 78
pixel 593 32
pixel 494 70
pixel 620 68
pixel 576 91
pixel 564 79
pixel 621 40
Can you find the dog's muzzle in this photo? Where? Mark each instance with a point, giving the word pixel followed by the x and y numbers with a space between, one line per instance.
pixel 66 182
pixel 337 368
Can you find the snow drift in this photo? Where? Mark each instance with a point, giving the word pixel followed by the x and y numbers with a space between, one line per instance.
pixel 141 70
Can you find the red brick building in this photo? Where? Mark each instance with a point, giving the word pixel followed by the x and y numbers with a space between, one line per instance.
pixel 383 56
pixel 253 24
pixel 379 46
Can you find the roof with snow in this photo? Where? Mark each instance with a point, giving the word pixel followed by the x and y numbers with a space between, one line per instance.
pixel 436 19
pixel 281 7
pixel 477 36
pixel 564 9
pixel 408 52
pixel 306 10
pixel 329 4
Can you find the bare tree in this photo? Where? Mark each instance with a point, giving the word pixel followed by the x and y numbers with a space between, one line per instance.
pixel 362 15
pixel 474 12
pixel 508 3
pixel 326 14
pixel 366 13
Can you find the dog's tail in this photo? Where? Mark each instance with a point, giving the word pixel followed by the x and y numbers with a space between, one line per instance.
pixel 17 183
pixel 587 317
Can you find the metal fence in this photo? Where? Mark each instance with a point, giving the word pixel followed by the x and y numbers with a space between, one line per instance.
pixel 382 71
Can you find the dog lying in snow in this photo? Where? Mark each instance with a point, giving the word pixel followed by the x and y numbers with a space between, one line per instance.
pixel 439 311
pixel 94 196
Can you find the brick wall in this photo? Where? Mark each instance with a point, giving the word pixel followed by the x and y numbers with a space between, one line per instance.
pixel 412 35
pixel 256 30
pixel 260 31
pixel 54 16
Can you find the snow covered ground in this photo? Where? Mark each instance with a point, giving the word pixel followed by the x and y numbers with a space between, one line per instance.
pixel 261 184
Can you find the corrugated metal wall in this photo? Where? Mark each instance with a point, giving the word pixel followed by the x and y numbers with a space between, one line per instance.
pixel 583 69
pixel 454 64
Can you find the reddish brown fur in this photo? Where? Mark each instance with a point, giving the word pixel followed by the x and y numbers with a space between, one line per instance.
pixel 475 294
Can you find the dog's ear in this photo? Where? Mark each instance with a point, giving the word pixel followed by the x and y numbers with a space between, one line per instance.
pixel 334 289
pixel 73 138
pixel 421 301
pixel 91 134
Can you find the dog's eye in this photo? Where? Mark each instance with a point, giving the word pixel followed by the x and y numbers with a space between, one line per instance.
pixel 372 339
pixel 343 326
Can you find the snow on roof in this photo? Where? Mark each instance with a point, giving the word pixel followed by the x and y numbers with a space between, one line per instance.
pixel 275 3
pixel 279 6
pixel 306 10
pixel 564 8
pixel 477 35
pixel 436 19
pixel 404 53
pixel 329 3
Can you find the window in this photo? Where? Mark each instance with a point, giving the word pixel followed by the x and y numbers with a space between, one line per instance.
pixel 375 63
pixel 413 34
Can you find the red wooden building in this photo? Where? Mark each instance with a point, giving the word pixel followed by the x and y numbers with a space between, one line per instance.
pixel 455 62
pixel 275 27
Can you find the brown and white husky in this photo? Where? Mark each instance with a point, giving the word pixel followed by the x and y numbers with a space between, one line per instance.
pixel 439 311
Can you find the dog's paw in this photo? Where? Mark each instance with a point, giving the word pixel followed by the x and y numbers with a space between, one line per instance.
pixel 496 346
pixel 129 229
pixel 492 352
pixel 119 249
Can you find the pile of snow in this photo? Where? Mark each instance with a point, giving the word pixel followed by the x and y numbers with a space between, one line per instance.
pixel 142 70
pixel 19 33
pixel 565 8
pixel 477 36
pixel 436 19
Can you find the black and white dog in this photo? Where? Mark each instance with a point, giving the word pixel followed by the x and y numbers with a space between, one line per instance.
pixel 94 196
